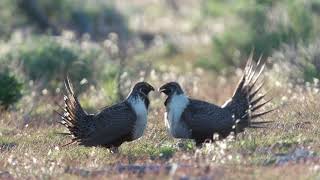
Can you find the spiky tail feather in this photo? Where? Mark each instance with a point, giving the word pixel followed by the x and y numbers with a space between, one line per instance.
pixel 74 117
pixel 246 100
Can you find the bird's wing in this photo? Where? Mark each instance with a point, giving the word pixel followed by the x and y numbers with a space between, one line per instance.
pixel 204 118
pixel 112 124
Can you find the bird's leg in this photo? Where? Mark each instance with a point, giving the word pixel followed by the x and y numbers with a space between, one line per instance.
pixel 235 135
pixel 199 145
pixel 114 149
pixel 199 142
pixel 208 140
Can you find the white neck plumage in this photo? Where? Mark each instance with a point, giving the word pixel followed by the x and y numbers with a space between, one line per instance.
pixel 175 108
pixel 178 101
pixel 137 104
pixel 141 111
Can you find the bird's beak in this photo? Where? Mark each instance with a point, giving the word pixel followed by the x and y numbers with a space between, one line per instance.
pixel 151 88
pixel 162 89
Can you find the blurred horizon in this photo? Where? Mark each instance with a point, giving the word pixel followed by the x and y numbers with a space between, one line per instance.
pixel 111 44
pixel 106 46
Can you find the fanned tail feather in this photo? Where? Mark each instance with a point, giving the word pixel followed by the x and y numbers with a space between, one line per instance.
pixel 74 117
pixel 246 100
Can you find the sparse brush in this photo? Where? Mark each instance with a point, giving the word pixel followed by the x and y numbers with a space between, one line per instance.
pixel 297 64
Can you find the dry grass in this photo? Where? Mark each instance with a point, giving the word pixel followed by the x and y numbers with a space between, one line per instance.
pixel 30 146
pixel 288 149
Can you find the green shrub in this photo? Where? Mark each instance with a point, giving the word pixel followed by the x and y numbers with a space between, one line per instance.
pixel 170 49
pixel 298 63
pixel 10 89
pixel 262 25
pixel 47 60
pixel 97 18
pixel 9 17
pixel 85 15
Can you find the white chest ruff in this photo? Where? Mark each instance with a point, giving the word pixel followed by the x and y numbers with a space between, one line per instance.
pixel 175 108
pixel 141 111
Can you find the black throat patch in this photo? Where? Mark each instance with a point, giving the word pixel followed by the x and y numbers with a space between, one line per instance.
pixel 146 102
pixel 168 100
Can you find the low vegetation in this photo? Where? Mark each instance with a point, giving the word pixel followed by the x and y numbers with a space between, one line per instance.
pixel 265 26
pixel 10 91
pixel 35 61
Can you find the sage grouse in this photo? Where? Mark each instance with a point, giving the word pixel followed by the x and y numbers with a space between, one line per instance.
pixel 199 120
pixel 111 126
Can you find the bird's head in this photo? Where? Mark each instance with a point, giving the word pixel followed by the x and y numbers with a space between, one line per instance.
pixel 142 89
pixel 171 88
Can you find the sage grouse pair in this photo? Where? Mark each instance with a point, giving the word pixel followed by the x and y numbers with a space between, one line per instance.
pixel 185 117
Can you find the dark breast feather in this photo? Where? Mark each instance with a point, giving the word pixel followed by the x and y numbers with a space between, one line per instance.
pixel 114 125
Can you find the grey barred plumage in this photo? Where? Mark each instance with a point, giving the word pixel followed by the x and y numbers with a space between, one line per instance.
pixel 202 119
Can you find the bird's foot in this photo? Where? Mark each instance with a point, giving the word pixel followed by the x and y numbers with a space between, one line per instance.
pixel 199 145
pixel 114 150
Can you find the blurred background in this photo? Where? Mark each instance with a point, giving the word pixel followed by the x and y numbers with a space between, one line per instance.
pixel 106 46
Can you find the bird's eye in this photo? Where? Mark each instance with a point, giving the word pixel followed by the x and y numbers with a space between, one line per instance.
pixel 144 90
